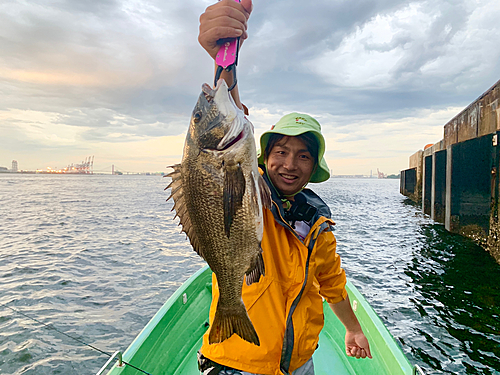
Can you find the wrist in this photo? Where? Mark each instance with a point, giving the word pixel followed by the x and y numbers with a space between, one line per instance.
pixel 354 329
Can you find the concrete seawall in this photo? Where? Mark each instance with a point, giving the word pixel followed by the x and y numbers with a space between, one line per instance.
pixel 457 180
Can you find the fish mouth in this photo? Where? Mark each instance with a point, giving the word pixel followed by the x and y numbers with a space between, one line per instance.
pixel 228 109
pixel 239 137
pixel 208 92
pixel 235 134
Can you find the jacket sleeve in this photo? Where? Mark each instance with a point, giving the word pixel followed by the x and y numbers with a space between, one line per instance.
pixel 329 273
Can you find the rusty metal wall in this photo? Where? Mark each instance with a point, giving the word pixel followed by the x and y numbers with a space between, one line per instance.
pixel 416 160
pixel 480 118
pixel 451 133
pixel 416 163
pixel 465 173
pixel 489 117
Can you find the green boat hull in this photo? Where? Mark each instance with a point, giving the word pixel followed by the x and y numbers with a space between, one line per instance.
pixel 169 342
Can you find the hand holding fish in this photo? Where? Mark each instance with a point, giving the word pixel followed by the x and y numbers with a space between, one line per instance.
pixel 225 19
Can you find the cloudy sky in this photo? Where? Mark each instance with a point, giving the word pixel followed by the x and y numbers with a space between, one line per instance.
pixel 118 79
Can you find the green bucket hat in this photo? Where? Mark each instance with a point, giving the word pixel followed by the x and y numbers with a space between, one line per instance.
pixel 295 124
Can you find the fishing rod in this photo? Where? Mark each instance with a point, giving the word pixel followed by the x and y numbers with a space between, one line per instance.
pixel 50 326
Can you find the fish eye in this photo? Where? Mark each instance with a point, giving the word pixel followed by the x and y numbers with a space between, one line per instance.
pixel 197 117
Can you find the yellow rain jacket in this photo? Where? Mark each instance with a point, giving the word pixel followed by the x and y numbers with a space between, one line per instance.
pixel 285 306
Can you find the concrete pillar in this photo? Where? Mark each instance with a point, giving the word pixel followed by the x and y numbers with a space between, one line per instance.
pixel 439 186
pixel 422 179
pixel 447 209
pixel 416 163
pixel 433 187
pixel 427 183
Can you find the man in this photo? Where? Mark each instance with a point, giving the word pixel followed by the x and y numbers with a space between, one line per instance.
pixel 299 249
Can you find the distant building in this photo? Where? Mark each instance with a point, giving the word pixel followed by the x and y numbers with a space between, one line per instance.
pixel 3 169
pixel 14 166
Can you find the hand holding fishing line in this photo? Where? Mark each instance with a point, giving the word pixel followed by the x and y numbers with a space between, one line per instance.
pixel 223 20
pixel 222 30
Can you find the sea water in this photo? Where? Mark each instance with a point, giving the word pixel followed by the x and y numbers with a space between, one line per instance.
pixel 95 256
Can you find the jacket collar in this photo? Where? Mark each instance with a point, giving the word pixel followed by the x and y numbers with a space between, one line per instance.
pixel 310 196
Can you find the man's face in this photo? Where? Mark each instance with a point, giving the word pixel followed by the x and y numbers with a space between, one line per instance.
pixel 289 165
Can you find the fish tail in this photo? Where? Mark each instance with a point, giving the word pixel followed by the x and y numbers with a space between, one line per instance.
pixel 228 321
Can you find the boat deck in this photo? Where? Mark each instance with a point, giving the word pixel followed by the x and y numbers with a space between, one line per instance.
pixel 170 341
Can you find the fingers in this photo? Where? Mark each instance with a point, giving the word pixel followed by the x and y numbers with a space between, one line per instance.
pixel 225 19
pixel 356 345
pixel 211 37
pixel 368 352
pixel 248 5
pixel 226 13
pixel 222 28
pixel 357 352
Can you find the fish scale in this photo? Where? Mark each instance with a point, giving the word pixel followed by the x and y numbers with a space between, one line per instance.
pixel 219 197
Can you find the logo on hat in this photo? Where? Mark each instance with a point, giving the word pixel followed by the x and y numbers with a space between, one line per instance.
pixel 300 120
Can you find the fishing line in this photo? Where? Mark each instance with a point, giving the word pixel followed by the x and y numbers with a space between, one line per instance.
pixel 50 326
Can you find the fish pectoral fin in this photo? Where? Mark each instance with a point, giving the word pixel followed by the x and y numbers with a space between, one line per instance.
pixel 261 195
pixel 234 189
pixel 265 193
pixel 230 320
pixel 256 270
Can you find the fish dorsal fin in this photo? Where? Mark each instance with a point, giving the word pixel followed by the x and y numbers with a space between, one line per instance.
pixel 232 195
pixel 177 194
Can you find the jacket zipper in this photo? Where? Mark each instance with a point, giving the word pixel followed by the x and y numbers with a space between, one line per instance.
pixel 283 221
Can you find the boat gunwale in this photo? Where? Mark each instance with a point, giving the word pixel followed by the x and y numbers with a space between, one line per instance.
pixel 386 336
pixel 380 336
pixel 153 322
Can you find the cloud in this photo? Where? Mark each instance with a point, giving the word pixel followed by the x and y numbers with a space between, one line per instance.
pixel 76 75
pixel 409 54
pixel 98 53
pixel 369 142
pixel 423 47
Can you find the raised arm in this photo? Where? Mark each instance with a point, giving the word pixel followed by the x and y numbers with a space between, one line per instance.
pixel 225 19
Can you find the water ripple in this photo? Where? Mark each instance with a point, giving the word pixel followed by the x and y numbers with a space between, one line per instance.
pixel 97 256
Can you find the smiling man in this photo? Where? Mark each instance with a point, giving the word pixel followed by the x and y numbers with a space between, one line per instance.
pixel 299 248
